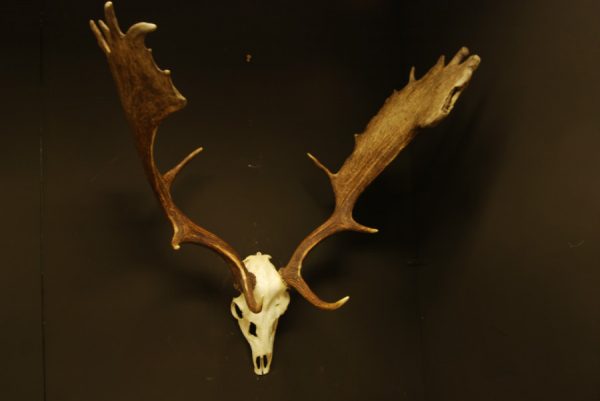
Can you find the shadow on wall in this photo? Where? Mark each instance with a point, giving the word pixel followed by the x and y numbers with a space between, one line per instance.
pixel 145 236
pixel 454 169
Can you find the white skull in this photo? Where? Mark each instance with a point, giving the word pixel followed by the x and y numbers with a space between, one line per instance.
pixel 259 328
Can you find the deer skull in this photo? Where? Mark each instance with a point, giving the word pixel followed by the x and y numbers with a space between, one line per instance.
pixel 259 328
pixel 148 97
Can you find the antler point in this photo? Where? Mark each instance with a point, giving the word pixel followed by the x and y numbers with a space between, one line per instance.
pixel 320 165
pixel 338 304
pixel 442 60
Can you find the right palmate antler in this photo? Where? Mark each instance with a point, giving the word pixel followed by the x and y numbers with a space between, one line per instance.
pixel 148 97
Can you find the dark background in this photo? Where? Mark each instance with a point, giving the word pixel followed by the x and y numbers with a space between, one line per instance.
pixel 481 285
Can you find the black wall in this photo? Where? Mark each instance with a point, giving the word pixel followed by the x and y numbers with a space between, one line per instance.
pixel 509 213
pixel 21 339
pixel 481 284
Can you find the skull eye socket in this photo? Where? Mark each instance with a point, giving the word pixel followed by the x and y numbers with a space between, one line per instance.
pixel 252 329
pixel 237 310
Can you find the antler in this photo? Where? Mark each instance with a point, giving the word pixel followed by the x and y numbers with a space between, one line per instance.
pixel 421 103
pixel 148 97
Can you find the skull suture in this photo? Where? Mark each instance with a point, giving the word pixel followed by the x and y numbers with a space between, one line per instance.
pixel 259 328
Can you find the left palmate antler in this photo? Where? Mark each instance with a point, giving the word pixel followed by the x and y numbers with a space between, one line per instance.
pixel 148 97
pixel 421 103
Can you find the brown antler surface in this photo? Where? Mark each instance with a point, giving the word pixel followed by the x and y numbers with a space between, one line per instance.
pixel 421 103
pixel 148 97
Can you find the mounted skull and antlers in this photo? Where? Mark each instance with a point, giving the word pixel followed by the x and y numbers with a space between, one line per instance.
pixel 148 97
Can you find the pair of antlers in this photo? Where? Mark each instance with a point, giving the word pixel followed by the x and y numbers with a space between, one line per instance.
pixel 148 97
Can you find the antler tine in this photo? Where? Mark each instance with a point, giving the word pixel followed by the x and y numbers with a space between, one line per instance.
pixel 421 103
pixel 148 97
pixel 340 220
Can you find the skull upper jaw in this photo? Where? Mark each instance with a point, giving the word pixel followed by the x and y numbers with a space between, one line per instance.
pixel 262 361
pixel 259 328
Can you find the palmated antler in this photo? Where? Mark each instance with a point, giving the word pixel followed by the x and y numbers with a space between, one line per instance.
pixel 148 97
pixel 421 103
